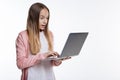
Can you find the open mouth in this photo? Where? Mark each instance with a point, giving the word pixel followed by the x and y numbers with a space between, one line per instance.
pixel 42 27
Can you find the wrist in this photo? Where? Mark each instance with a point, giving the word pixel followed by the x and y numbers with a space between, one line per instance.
pixel 41 56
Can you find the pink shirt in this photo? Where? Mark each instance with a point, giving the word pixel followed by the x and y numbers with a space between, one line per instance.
pixel 22 51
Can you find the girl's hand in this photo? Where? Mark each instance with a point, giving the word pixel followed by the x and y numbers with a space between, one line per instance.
pixel 51 53
pixel 58 62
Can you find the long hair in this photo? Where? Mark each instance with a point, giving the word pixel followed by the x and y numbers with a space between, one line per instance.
pixel 33 28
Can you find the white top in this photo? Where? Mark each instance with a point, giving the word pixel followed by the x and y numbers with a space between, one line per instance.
pixel 44 70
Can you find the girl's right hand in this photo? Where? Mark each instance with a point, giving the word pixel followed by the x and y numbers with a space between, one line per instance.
pixel 51 53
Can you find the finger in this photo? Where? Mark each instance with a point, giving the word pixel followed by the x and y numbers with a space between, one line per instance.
pixel 55 54
pixel 50 54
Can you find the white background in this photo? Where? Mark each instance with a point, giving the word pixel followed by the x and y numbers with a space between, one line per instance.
pixel 100 55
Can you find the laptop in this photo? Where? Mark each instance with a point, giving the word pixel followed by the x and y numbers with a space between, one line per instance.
pixel 72 46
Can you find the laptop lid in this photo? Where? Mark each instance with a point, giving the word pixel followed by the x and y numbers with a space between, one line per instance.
pixel 74 44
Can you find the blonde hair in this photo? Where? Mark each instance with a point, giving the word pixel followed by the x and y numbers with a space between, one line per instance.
pixel 33 28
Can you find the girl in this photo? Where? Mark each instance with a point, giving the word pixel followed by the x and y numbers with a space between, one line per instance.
pixel 35 44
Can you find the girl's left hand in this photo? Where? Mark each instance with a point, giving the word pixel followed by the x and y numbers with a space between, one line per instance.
pixel 58 62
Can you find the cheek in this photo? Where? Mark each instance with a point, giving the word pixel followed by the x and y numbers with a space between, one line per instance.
pixel 39 24
pixel 40 21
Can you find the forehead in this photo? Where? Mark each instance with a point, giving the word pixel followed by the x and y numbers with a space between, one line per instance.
pixel 44 12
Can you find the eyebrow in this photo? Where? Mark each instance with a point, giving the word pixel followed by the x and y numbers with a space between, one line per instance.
pixel 43 16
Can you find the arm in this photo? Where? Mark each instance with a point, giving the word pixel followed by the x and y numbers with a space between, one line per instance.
pixel 23 60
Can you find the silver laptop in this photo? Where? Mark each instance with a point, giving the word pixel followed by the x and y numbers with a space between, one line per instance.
pixel 72 46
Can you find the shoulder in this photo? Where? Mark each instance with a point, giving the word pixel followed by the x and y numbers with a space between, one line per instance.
pixel 23 35
pixel 50 33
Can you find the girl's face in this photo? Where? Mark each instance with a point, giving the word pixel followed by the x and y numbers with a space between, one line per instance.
pixel 43 19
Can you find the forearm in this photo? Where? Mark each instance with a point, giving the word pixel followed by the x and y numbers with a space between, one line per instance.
pixel 23 62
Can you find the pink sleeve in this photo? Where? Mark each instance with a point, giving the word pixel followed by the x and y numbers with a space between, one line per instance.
pixel 23 61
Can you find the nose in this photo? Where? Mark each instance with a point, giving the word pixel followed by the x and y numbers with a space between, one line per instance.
pixel 45 21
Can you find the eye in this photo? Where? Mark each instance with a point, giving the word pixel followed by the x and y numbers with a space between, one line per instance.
pixel 47 18
pixel 41 17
